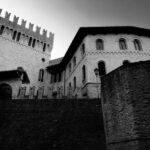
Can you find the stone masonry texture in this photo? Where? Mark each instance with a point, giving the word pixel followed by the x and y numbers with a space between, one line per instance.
pixel 51 125
pixel 126 107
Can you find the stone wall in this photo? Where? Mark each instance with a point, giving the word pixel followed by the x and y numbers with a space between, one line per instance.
pixel 51 124
pixel 126 107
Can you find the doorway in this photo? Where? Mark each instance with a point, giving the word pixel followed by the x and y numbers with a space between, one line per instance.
pixel 5 91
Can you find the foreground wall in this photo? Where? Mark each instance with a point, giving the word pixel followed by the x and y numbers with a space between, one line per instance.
pixel 51 125
pixel 126 107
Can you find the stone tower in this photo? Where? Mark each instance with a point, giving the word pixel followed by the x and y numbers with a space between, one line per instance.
pixel 25 48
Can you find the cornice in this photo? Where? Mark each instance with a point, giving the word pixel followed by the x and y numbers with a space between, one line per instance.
pixel 127 52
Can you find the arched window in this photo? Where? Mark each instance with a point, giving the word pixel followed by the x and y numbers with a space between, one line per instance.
pixel 126 62
pixel 99 44
pixel 137 44
pixel 83 74
pixel 101 67
pixel 2 30
pixel 122 44
pixel 74 82
pixel 18 36
pixel 14 35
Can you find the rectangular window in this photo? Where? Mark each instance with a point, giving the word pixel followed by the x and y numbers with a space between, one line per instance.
pixel 14 35
pixel 41 75
pixel 69 84
pixel 44 47
pixel 82 49
pixel 18 36
pixel 55 78
pixel 51 80
pixel 2 30
pixel 74 82
pixel 59 77
pixel 70 68
pixel 30 41
pixel 74 61
pixel 83 74
pixel 33 44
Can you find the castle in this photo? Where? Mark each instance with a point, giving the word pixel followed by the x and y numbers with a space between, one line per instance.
pixel 26 66
pixel 88 70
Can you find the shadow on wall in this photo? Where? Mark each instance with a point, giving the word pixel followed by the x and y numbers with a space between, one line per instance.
pixel 5 91
pixel 52 125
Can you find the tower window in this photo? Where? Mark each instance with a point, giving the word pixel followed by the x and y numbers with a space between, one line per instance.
pixel 30 41
pixel 33 44
pixel 18 36
pixel 83 74
pixel 2 30
pixel 101 67
pixel 14 35
pixel 44 47
pixel 137 45
pixel 74 82
pixel 41 75
pixel 99 44
pixel 122 44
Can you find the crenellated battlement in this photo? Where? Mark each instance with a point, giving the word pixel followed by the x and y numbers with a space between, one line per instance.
pixel 13 26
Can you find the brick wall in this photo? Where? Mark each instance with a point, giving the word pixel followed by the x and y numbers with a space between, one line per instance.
pixel 126 109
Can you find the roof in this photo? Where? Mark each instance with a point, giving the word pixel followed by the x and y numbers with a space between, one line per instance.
pixel 54 65
pixel 14 74
pixel 55 61
pixel 84 31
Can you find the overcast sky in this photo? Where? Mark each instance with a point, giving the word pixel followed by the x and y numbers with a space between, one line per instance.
pixel 64 17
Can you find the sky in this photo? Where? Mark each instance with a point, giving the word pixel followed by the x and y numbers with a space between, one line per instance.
pixel 65 17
